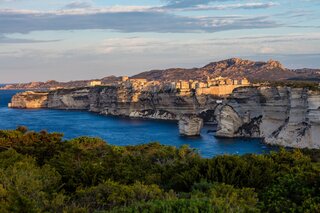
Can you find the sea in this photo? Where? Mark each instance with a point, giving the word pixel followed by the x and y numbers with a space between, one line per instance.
pixel 121 131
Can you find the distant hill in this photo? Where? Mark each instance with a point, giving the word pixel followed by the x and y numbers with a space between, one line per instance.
pixel 234 68
pixel 307 75
pixel 55 84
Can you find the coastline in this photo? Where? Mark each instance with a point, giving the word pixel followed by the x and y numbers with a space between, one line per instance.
pixel 268 113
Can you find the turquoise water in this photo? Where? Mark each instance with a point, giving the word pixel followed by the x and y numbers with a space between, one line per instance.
pixel 120 131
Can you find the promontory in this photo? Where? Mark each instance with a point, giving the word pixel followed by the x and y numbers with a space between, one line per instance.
pixel 286 115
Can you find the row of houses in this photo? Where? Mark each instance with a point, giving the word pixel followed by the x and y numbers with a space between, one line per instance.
pixel 217 86
pixel 220 81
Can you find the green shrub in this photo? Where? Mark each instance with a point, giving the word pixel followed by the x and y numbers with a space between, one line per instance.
pixel 40 172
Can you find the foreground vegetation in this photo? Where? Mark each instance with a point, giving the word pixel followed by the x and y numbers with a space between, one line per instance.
pixel 39 172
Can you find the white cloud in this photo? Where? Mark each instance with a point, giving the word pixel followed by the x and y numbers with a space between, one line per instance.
pixel 131 45
pixel 82 11
pixel 78 4
pixel 10 40
pixel 258 5
pixel 124 19
pixel 266 50
pixel 189 3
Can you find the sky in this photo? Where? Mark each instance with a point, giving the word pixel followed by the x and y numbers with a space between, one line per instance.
pixel 88 39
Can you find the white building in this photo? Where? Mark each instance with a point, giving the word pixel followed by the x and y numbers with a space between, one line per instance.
pixel 94 83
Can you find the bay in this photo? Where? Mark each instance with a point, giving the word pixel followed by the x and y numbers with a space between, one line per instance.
pixel 120 131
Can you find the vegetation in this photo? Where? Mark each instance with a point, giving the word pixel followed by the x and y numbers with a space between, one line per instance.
pixel 40 172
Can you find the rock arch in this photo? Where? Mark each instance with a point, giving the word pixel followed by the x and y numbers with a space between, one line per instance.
pixel 209 115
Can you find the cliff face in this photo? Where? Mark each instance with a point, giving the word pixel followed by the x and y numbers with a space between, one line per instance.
pixel 129 102
pixel 29 100
pixel 282 116
pixel 120 100
pixel 190 125
pixel 71 98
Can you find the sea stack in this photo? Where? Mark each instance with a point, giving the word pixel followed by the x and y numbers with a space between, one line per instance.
pixel 190 125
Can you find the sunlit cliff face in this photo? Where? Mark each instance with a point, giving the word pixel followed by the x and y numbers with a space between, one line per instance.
pixel 70 40
pixel 281 115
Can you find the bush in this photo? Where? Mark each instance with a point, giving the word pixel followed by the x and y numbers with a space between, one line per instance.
pixel 25 186
pixel 39 172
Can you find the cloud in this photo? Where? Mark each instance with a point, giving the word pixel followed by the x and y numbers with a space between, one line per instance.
pixel 132 45
pixel 83 11
pixel 189 3
pixel 296 14
pixel 266 50
pixel 273 38
pixel 8 40
pixel 205 5
pixel 24 21
pixel 235 6
pixel 78 4
pixel 305 26
pixel 148 45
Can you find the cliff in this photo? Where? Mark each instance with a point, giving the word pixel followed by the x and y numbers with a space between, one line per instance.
pixel 281 115
pixel 190 125
pixel 119 100
pixel 29 100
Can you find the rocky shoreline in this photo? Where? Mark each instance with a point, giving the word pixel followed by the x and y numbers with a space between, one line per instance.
pixel 280 115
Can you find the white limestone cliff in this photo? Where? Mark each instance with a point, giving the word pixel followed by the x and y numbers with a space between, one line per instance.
pixel 190 125
pixel 29 100
pixel 282 116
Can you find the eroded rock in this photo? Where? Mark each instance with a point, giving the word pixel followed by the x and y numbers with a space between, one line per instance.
pixel 29 100
pixel 282 116
pixel 229 122
pixel 190 125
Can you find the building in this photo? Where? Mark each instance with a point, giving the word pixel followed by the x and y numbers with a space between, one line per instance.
pixel 124 78
pixel 94 83
pixel 193 84
pixel 229 81
pixel 139 80
pixel 202 85
pixel 137 84
pixel 245 82
pixel 235 82
pixel 183 85
pixel 219 86
pixel 169 86
pixel 224 86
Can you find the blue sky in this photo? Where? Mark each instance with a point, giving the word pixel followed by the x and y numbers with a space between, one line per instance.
pixel 70 40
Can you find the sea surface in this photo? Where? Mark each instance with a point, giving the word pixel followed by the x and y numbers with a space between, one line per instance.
pixel 120 131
